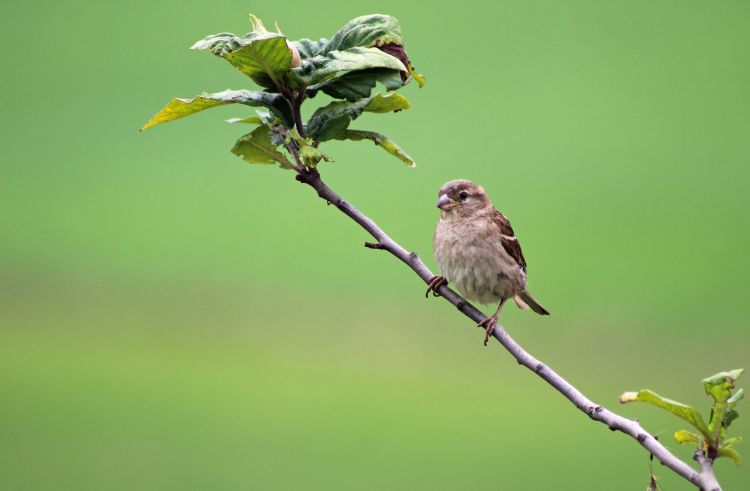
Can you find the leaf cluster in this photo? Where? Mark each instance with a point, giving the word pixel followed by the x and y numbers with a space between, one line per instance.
pixel 367 53
pixel 712 436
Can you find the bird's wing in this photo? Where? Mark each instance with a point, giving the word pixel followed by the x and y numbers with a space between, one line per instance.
pixel 509 240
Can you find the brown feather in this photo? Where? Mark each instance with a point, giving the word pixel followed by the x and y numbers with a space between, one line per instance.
pixel 509 240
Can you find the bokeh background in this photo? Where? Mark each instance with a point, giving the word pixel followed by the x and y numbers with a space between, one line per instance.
pixel 175 319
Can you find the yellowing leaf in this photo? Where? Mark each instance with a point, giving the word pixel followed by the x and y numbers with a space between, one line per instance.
pixel 388 103
pixel 683 411
pixel 417 76
pixel 380 140
pixel 729 453
pixel 179 108
pixel 684 436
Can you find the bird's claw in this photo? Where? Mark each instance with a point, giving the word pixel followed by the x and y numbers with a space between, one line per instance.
pixel 435 283
pixel 489 324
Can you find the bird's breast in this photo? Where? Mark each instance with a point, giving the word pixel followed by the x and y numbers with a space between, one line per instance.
pixel 471 257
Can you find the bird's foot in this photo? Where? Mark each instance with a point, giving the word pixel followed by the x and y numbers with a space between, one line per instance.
pixel 435 283
pixel 489 324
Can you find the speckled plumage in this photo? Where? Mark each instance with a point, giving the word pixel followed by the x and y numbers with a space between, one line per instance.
pixel 476 249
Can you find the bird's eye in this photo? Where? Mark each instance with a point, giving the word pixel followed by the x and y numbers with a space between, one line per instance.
pixel 463 195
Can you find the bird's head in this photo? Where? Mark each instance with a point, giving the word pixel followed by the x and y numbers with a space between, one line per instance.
pixel 462 198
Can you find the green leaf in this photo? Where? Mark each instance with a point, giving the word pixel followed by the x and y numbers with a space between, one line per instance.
pixel 380 140
pixel 311 156
pixel 365 43
pixel 736 397
pixel 308 48
pixel 358 85
pixel 224 42
pixel 330 121
pixel 335 64
pixel 685 412
pixel 266 61
pixel 219 44
pixel 684 436
pixel 729 416
pixel 256 148
pixel 179 108
pixel 729 453
pixel 730 442
pixel 262 55
pixel 720 386
pixel 367 30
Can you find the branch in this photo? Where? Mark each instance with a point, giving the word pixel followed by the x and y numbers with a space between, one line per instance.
pixel 709 481
pixel 705 480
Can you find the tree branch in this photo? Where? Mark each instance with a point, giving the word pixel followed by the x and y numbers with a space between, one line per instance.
pixel 705 479
pixel 709 481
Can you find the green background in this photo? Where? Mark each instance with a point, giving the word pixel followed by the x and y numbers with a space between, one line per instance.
pixel 173 318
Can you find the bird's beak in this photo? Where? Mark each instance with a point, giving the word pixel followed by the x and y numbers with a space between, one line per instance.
pixel 445 203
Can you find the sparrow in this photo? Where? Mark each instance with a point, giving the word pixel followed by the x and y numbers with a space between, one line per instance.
pixel 477 251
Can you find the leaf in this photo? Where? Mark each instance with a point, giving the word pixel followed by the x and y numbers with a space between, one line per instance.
pixel 335 64
pixel 684 436
pixel 224 42
pixel 736 397
pixel 729 416
pixel 311 156
pixel 358 85
pixel 256 148
pixel 248 120
pixel 262 55
pixel 219 44
pixel 308 48
pixel 685 412
pixel 730 442
pixel 266 61
pixel 380 140
pixel 330 121
pixel 367 30
pixel 179 108
pixel 364 43
pixel 392 102
pixel 720 386
pixel 417 76
pixel 729 453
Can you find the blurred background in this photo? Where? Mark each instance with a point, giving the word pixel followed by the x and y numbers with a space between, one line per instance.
pixel 172 318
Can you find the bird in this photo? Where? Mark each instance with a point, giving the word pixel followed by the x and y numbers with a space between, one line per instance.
pixel 477 251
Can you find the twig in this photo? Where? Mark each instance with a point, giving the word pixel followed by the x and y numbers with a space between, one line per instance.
pixel 710 483
pixel 705 480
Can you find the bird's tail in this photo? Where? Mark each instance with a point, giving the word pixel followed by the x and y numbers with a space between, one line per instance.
pixel 524 300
